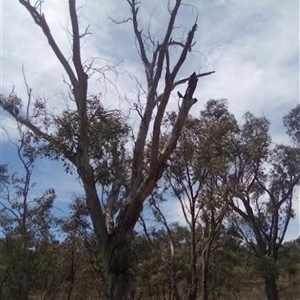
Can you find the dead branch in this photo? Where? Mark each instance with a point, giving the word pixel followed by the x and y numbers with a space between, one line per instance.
pixel 171 43
pixel 120 22
pixel 40 20
pixel 184 80
pixel 86 32
pixel 80 89
pixel 138 33
pixel 166 95
pixel 153 78
pixel 29 92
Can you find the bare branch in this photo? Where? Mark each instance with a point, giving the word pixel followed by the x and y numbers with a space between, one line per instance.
pixel 29 92
pixel 176 130
pixel 184 80
pixel 151 97
pixel 85 32
pixel 120 22
pixel 40 20
pixel 164 45
pixel 134 10
pixel 80 90
pixel 152 40
pixel 166 95
pixel 76 39
pixel 142 221
pixel 187 47
pixel 181 44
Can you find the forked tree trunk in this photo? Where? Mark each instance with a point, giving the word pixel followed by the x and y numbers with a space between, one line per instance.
pixel 118 260
pixel 119 286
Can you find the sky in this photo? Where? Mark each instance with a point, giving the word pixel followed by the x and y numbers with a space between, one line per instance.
pixel 253 45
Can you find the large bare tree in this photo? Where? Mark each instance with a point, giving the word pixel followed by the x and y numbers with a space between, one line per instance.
pixel 114 224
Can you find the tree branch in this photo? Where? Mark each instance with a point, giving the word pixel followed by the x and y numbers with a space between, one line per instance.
pixel 40 20
pixel 184 80
pixel 138 33
pixel 138 153
pixel 166 95
pixel 82 77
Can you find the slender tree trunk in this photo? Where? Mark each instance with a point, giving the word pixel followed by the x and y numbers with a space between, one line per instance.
pixel 193 286
pixel 175 294
pixel 72 272
pixel 271 288
pixel 205 275
pixel 23 286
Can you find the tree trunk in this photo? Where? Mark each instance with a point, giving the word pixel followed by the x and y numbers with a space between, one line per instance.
pixel 205 274
pixel 174 289
pixel 271 288
pixel 118 261
pixel 23 287
pixel 193 283
pixel 119 286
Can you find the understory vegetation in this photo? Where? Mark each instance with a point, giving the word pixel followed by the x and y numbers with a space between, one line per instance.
pixel 233 187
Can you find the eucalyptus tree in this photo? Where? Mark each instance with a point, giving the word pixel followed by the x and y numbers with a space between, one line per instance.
pixel 85 276
pixel 115 214
pixel 162 262
pixel 291 122
pixel 195 176
pixel 263 182
pixel 26 220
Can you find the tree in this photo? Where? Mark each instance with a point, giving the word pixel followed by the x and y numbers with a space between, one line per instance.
pixel 83 265
pixel 25 222
pixel 292 123
pixel 159 216
pixel 161 262
pixel 262 182
pixel 195 177
pixel 114 220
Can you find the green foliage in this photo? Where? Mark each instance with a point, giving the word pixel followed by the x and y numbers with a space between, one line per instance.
pixel 290 258
pixel 217 162
pixel 266 266
pixel 292 124
pixel 107 133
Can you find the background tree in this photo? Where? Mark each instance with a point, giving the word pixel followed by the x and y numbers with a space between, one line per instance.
pixel 195 177
pixel 85 274
pixel 263 181
pixel 25 221
pixel 292 123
